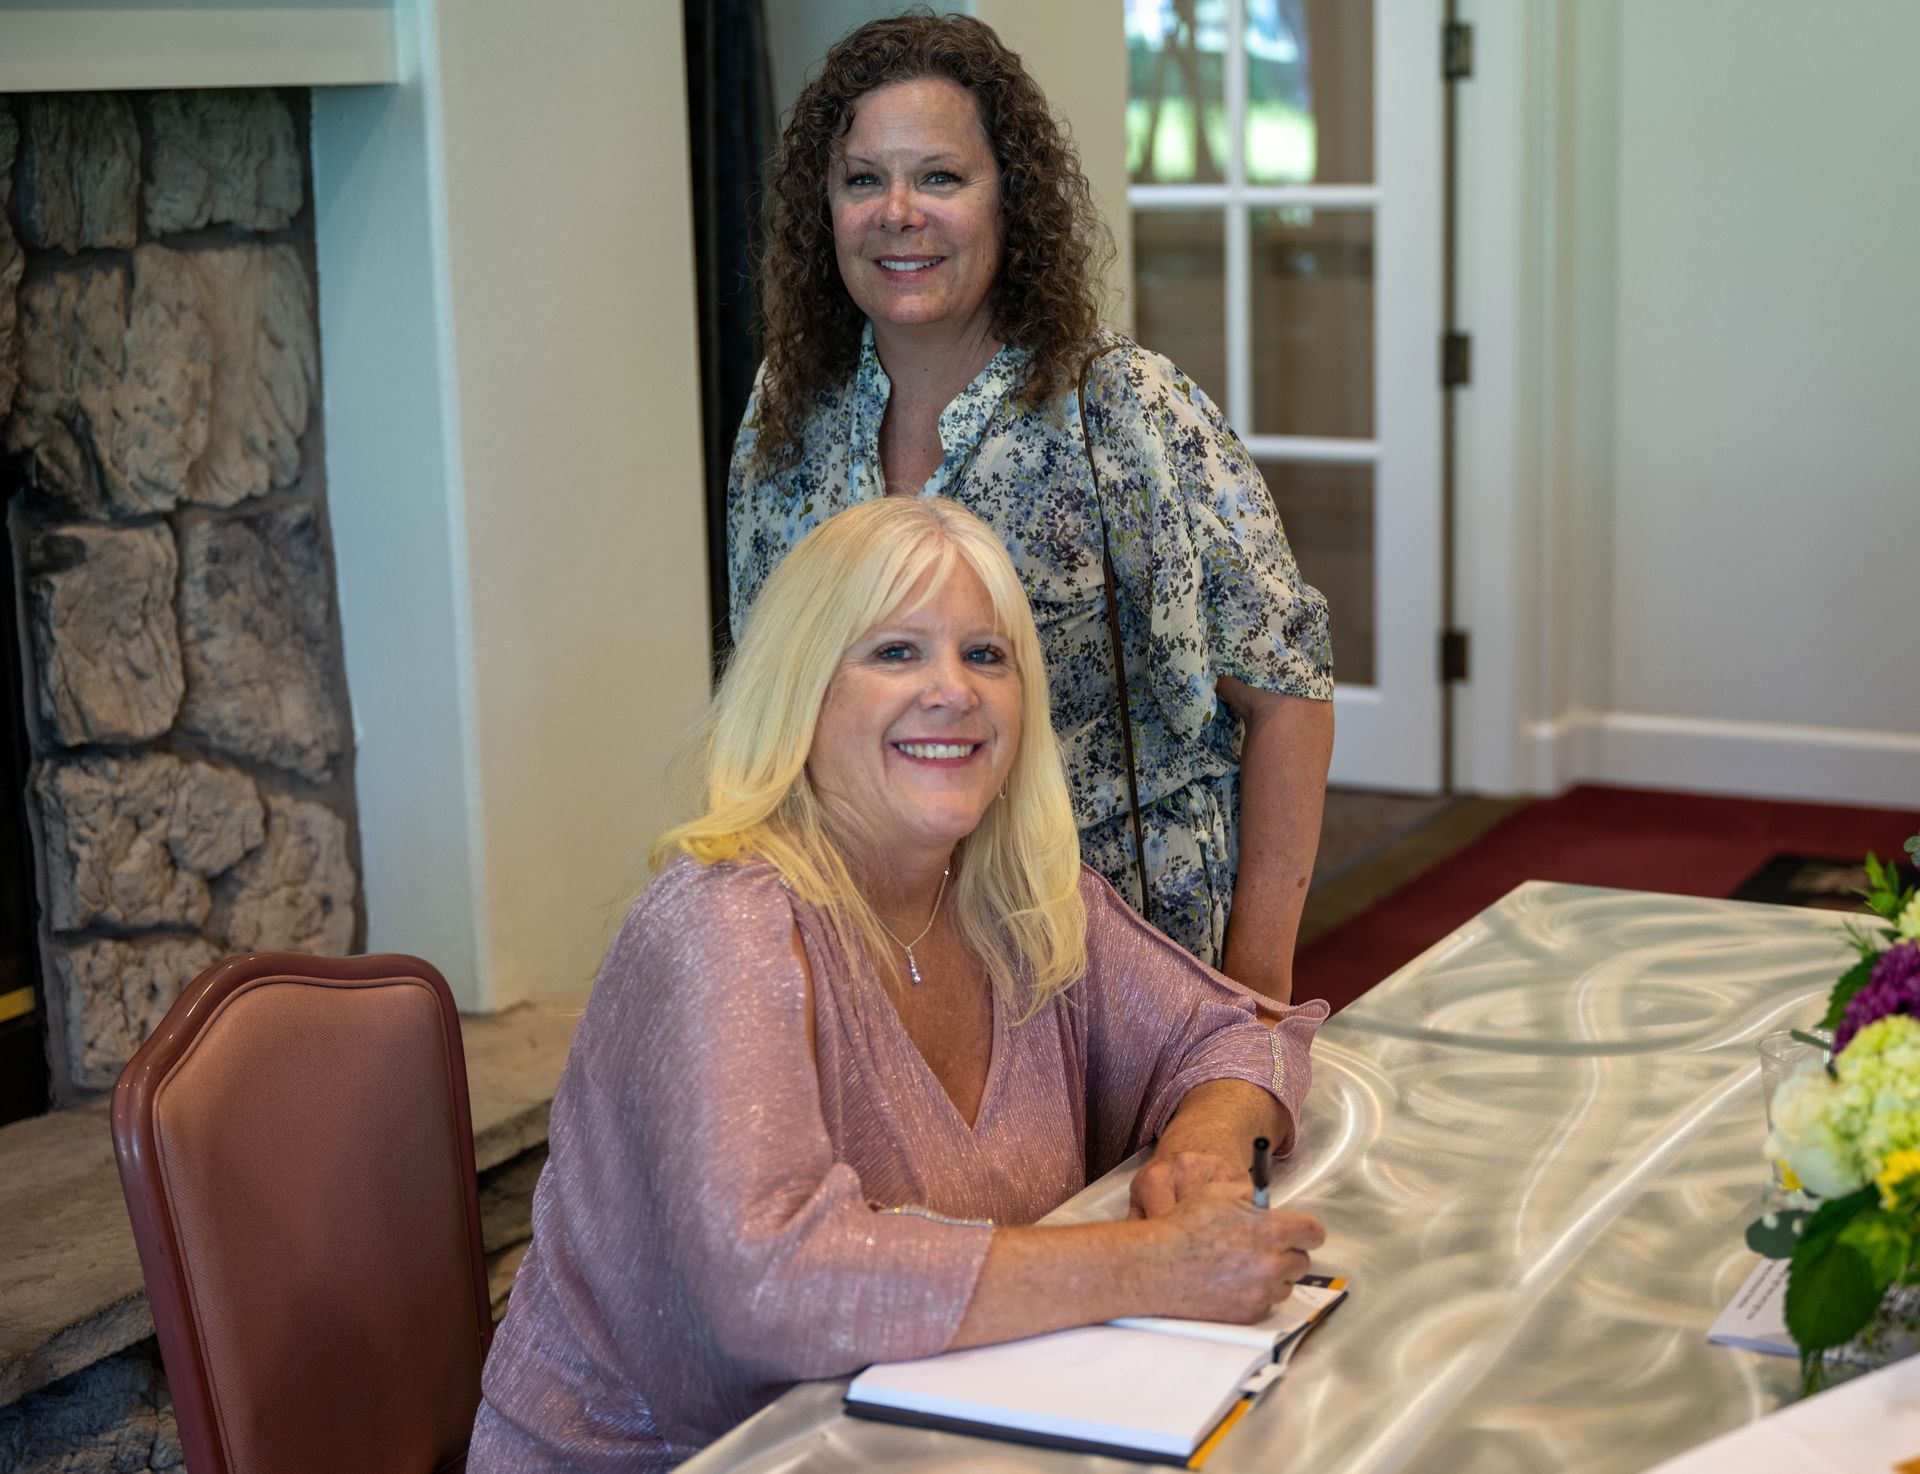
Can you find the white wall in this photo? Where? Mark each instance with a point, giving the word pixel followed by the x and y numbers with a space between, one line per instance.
pixel 513 425
pixel 1710 451
pixel 799 33
pixel 1768 454
pixel 396 510
pixel 1077 51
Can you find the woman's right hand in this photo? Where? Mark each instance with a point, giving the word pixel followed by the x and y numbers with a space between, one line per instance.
pixel 1224 1259
pixel 1212 1256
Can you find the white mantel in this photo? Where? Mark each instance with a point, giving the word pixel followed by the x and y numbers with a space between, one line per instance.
pixel 102 45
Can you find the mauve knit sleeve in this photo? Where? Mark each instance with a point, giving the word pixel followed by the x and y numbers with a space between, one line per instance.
pixel 696 1243
pixel 1158 1022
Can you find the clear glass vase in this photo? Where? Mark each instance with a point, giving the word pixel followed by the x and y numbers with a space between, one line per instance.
pixel 1893 1333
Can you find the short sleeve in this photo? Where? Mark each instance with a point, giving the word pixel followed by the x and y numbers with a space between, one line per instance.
pixel 1198 543
pixel 1159 1022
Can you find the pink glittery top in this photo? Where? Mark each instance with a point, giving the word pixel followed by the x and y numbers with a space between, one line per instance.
pixel 720 1217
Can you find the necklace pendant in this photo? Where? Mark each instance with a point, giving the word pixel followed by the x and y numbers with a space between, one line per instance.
pixel 913 967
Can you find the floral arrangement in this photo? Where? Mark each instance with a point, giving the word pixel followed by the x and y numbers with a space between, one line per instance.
pixel 1848 1136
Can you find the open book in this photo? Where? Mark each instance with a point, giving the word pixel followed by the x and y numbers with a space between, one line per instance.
pixel 1152 1389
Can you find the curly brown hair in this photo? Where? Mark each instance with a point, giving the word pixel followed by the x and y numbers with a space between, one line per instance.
pixel 1055 246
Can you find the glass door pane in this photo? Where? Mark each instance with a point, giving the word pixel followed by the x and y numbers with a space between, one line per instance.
pixel 1180 292
pixel 1327 511
pixel 1176 95
pixel 1309 91
pixel 1312 303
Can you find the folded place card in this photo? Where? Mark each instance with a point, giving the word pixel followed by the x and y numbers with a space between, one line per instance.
pixel 1756 1320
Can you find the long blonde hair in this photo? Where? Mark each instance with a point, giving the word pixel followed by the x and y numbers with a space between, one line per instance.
pixel 1016 888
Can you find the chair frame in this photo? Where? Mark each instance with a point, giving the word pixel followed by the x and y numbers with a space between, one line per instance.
pixel 135 1145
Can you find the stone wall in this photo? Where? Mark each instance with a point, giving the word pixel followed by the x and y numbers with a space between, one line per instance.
pixel 115 1417
pixel 160 452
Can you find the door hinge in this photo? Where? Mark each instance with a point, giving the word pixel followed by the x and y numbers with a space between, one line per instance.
pixel 1456 50
pixel 1456 359
pixel 1453 655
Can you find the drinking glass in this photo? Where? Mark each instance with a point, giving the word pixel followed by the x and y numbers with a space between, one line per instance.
pixel 1782 1053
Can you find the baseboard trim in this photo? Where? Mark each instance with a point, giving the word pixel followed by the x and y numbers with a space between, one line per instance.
pixel 1749 759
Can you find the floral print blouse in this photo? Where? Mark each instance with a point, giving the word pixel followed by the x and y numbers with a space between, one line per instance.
pixel 1207 587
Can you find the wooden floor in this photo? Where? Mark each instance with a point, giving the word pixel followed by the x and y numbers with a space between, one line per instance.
pixel 1466 853
pixel 1371 844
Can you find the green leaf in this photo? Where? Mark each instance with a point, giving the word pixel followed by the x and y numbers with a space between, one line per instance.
pixel 1831 1294
pixel 1869 942
pixel 1883 1241
pixel 1831 1291
pixel 1912 847
pixel 1777 1235
pixel 1851 982
pixel 1836 1213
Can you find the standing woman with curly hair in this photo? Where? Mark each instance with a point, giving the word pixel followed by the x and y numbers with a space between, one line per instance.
pixel 929 293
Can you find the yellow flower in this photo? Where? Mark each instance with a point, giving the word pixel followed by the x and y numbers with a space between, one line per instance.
pixel 1899 1167
pixel 1906 926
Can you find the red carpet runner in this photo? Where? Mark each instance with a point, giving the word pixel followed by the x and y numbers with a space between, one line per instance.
pixel 1684 843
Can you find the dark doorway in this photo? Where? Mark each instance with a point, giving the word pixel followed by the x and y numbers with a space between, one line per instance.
pixel 23 1029
pixel 730 126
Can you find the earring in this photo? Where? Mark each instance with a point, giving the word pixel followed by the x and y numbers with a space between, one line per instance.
pixel 1003 790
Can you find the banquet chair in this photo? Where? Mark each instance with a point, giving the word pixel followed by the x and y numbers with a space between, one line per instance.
pixel 296 1150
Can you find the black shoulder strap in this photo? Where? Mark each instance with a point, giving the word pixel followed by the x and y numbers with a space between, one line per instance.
pixel 1114 641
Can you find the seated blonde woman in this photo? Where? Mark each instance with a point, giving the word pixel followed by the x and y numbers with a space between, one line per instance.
pixel 873 1017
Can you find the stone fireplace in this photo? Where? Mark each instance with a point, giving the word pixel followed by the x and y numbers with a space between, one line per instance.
pixel 465 228
pixel 185 703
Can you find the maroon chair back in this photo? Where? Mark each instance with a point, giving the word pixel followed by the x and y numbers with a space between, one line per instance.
pixel 296 1149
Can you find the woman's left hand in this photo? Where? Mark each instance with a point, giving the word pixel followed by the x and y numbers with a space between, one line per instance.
pixel 1168 1178
pixel 1214 1123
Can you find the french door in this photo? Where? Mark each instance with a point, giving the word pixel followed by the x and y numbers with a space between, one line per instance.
pixel 1285 164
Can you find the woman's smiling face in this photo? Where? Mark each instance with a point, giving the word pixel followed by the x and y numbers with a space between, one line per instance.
pixel 915 195
pixel 920 724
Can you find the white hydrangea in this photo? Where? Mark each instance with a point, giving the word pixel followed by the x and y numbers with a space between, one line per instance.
pixel 1835 1135
pixel 1803 1135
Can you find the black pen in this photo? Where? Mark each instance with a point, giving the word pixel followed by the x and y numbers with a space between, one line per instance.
pixel 1260 1147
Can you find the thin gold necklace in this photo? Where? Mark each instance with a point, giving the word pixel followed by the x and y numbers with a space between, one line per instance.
pixel 913 968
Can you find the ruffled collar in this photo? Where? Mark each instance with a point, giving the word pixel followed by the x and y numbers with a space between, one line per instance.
pixel 963 423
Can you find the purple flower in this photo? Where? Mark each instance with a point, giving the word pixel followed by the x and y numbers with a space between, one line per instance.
pixel 1892 987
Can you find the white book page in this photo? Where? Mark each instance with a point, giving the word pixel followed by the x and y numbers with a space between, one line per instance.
pixel 1097 1383
pixel 1290 1315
